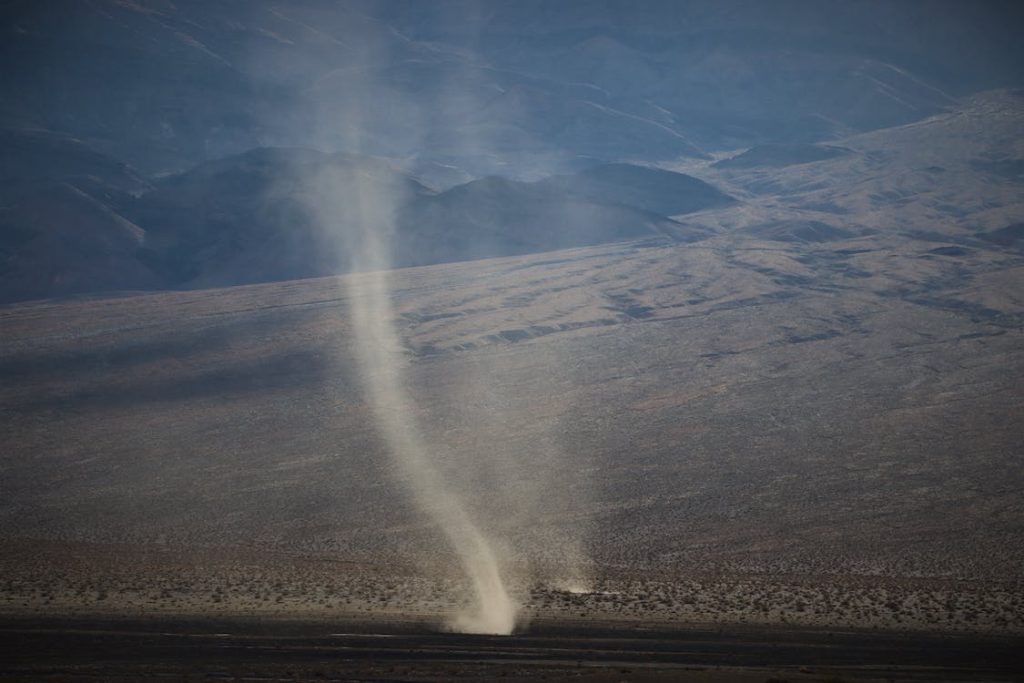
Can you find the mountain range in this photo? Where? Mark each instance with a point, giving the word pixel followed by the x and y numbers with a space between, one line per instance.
pixel 153 144
pixel 251 218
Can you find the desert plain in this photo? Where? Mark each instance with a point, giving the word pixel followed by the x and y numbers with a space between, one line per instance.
pixel 809 418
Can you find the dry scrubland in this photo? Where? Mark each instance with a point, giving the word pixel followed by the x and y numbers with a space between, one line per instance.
pixel 83 579
pixel 812 417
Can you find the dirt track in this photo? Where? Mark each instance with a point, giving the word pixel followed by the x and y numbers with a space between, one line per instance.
pixel 66 650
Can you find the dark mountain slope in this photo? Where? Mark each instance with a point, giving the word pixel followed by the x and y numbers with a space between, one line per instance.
pixel 1010 236
pixel 250 218
pixel 779 155
pixel 33 157
pixel 58 241
pixel 499 217
pixel 274 214
pixel 649 189
pixel 167 85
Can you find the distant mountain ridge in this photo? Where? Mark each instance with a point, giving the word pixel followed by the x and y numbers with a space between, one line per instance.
pixel 58 241
pixel 495 127
pixel 651 189
pixel 504 87
pixel 777 155
pixel 253 218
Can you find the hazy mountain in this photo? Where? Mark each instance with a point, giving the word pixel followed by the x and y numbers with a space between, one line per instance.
pixel 252 218
pixel 735 73
pixel 775 155
pixel 499 217
pixel 34 157
pixel 249 218
pixel 932 179
pixel 1010 236
pixel 476 99
pixel 649 189
pixel 166 85
pixel 57 241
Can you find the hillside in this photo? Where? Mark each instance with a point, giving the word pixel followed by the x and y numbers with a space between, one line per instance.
pixel 257 217
pixel 501 89
pixel 781 155
pixel 728 409
pixel 252 217
pixel 57 241
pixel 651 189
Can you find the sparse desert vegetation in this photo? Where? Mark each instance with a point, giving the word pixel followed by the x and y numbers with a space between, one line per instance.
pixel 727 431
pixel 47 579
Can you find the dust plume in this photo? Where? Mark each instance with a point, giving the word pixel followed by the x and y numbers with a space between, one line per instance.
pixel 361 210
pixel 499 513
